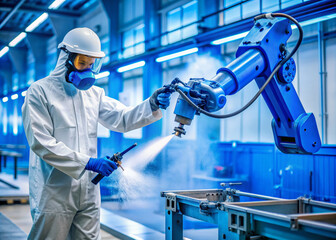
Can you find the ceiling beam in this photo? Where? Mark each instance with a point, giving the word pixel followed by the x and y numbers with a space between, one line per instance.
pixel 10 14
pixel 16 30
pixel 6 7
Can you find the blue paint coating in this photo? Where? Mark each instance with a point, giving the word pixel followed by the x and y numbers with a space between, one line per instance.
pixel 287 72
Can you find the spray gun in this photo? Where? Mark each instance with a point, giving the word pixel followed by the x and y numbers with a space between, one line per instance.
pixel 117 157
pixel 261 56
pixel 200 98
pixel 172 86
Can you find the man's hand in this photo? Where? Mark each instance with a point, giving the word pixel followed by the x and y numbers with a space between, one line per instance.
pixel 160 99
pixel 103 166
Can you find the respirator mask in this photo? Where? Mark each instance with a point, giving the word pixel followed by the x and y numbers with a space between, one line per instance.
pixel 82 70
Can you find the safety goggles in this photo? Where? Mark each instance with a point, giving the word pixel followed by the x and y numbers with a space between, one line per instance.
pixel 83 62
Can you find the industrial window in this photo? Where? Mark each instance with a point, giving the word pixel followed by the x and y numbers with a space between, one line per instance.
pixel 289 3
pixel 133 41
pixel 103 132
pixel 132 95
pixel 105 45
pixel 131 10
pixel 251 8
pixel 232 14
pixel 270 5
pixel 237 10
pixel 179 23
pixel 132 27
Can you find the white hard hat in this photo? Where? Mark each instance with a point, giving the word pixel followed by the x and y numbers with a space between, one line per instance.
pixel 83 41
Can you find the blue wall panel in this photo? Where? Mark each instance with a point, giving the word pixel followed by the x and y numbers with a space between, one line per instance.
pixel 262 171
pixel 274 173
pixel 294 174
pixel 259 166
pixel 324 178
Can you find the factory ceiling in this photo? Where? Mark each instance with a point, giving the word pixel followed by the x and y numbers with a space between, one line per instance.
pixel 17 15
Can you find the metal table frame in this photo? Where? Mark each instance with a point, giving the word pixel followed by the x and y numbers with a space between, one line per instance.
pixel 274 218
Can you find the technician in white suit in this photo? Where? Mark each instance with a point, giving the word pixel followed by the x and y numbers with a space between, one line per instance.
pixel 60 116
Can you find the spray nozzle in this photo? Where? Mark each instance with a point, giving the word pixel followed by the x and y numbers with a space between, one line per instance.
pixel 178 131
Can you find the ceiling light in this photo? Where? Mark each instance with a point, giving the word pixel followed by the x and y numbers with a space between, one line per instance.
pixel 230 38
pixel 14 96
pixel 315 20
pixel 102 74
pixel 37 22
pixel 176 55
pixel 56 4
pixel 18 39
pixel 4 51
pixel 131 66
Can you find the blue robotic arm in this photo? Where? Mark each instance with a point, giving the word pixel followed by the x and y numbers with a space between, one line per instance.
pixel 261 56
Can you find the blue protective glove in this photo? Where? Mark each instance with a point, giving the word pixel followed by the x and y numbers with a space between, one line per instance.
pixel 103 166
pixel 160 99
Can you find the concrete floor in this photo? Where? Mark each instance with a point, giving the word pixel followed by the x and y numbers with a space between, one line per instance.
pixel 19 214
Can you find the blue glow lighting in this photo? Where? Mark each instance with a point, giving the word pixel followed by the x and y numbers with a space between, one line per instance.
pixel 131 66
pixel 4 121
pixel 234 144
pixel 56 4
pixel 230 38
pixel 140 26
pixel 15 129
pixel 315 20
pixel 43 16
pixel 242 35
pixel 37 22
pixel 176 55
pixel 14 96
pixel 4 51
pixel 5 99
pixel 23 94
pixel 15 121
pixel 18 39
pixel 102 74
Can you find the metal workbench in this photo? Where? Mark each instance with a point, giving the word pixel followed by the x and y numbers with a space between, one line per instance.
pixel 264 216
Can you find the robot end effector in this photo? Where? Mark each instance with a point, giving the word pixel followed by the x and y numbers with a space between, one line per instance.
pixel 261 56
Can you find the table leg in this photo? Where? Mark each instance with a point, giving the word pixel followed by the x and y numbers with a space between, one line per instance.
pixel 15 167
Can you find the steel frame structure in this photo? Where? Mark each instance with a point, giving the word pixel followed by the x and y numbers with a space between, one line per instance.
pixel 268 217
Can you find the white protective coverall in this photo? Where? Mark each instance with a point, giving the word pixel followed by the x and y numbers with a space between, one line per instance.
pixel 60 122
